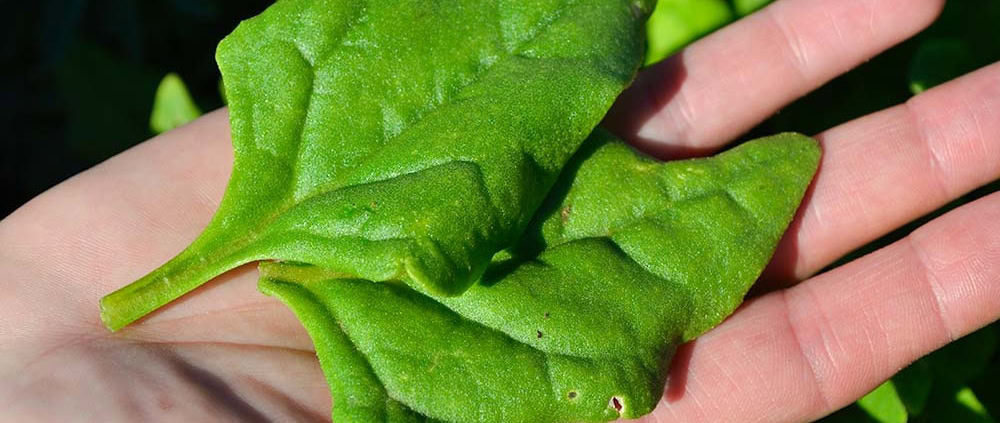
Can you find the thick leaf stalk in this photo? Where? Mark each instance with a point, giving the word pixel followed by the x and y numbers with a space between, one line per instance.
pixel 182 274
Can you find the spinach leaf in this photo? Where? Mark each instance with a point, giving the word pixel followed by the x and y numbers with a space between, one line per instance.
pixel 399 140
pixel 628 258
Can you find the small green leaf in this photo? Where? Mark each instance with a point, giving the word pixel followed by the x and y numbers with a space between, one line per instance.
pixel 172 106
pixel 986 387
pixel 956 403
pixel 677 23
pixel 884 405
pixel 578 323
pixel 968 399
pixel 399 140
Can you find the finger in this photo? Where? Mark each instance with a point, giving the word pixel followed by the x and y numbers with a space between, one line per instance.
pixel 728 82
pixel 886 169
pixel 110 224
pixel 798 354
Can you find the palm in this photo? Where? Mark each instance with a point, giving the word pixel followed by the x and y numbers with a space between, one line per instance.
pixel 794 354
pixel 227 353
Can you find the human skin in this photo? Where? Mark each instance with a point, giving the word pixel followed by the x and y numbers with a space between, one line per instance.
pixel 802 348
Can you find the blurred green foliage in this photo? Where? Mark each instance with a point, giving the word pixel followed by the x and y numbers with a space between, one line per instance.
pixel 884 404
pixel 958 383
pixel 172 106
pixel 676 23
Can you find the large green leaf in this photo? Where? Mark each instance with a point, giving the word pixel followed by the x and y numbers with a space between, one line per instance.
pixel 399 140
pixel 628 259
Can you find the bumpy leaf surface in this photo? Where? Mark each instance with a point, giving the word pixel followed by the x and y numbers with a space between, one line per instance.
pixel 399 140
pixel 628 258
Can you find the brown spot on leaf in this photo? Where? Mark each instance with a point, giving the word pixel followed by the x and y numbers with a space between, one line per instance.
pixel 539 333
pixel 617 404
pixel 564 214
pixel 546 315
pixel 571 394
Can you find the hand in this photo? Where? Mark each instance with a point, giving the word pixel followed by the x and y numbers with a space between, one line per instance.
pixel 813 344
pixel 227 353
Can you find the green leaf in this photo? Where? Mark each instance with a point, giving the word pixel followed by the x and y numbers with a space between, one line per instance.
pixel 884 405
pixel 629 258
pixel 968 399
pixel 392 140
pixel 677 23
pixel 172 106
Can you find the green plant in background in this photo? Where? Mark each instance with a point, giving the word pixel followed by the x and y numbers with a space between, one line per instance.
pixel 884 404
pixel 957 383
pixel 172 106
pixel 676 23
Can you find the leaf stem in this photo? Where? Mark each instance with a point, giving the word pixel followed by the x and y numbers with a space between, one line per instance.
pixel 182 274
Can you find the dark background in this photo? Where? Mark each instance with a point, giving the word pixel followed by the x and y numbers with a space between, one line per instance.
pixel 79 76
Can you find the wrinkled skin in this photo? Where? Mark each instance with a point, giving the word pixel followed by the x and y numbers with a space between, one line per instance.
pixel 802 348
